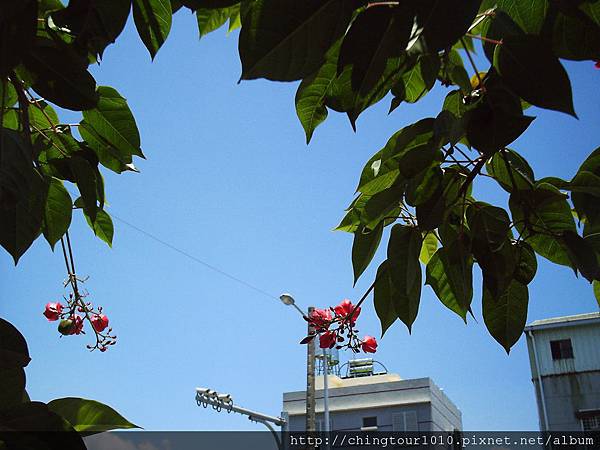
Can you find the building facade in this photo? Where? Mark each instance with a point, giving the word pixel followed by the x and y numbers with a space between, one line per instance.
pixel 382 402
pixel 564 354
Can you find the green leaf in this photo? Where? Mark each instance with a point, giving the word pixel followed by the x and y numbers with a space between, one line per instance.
pixel 110 130
pixel 498 27
pixel 13 386
pixel 490 231
pixel 505 315
pixel 383 298
pixel 596 286
pixel 287 40
pixel 8 95
pixel 61 76
pixel 511 171
pixel 212 19
pixel 43 116
pixel 94 23
pixel 541 216
pixel 526 263
pixel 584 258
pixel 576 36
pixel 312 93
pixel 428 247
pixel 24 195
pixel 534 73
pixel 13 347
pixel 364 247
pixel 85 177
pixel 529 15
pixel 153 22
pixel 18 24
pixel 58 212
pixel 374 44
pixel 424 186
pixel 89 416
pixel 403 258
pixel 383 169
pixel 450 274
pixel 102 226
pixel 417 81
pixel 440 23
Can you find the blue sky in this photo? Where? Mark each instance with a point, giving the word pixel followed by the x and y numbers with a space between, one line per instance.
pixel 228 178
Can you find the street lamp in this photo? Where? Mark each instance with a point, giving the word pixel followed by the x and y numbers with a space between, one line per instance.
pixel 288 300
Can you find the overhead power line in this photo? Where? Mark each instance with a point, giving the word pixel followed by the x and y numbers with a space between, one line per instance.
pixel 194 258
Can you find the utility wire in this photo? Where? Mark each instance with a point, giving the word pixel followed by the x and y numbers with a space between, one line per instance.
pixel 195 259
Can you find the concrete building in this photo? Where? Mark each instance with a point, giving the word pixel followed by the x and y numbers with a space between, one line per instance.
pixel 564 353
pixel 385 402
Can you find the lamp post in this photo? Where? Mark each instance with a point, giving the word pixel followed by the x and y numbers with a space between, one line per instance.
pixel 288 300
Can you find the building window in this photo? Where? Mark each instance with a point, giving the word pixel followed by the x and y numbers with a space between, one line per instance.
pixel 561 349
pixel 369 422
pixel 591 423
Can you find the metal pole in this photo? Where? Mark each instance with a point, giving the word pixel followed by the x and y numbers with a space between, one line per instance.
pixel 541 386
pixel 310 380
pixel 326 427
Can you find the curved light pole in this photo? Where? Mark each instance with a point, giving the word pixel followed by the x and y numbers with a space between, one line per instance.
pixel 288 300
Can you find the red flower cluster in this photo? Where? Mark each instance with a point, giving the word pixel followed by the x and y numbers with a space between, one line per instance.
pixel 334 323
pixel 72 323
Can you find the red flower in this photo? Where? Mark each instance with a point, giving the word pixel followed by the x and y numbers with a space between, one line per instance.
pixel 320 318
pixel 369 344
pixel 99 322
pixel 327 339
pixel 52 311
pixel 597 65
pixel 344 310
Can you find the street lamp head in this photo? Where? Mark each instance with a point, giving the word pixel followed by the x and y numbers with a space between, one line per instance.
pixel 287 299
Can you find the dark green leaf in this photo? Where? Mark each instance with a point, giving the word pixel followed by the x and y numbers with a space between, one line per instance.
pixel 153 22
pixel 364 247
pixel 576 36
pixel 58 212
pixel 403 258
pixel 43 117
pixel 596 286
pixel 89 416
pixel 417 81
pixel 8 95
pixel 450 274
pixel 498 27
pixel 526 263
pixel 383 298
pixel 584 258
pixel 94 23
pixel 18 24
pixel 505 315
pixel 61 76
pixel 102 226
pixel 511 171
pixel 534 73
pixel 13 347
pixel 490 231
pixel 529 15
pixel 430 214
pixel 85 177
pixel 13 386
pixel 440 23
pixel 287 40
pixel 375 45
pixel 422 187
pixel 541 216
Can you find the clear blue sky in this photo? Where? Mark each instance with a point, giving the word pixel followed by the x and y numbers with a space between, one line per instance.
pixel 230 180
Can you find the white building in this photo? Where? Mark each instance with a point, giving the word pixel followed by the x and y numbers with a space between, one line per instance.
pixel 564 353
pixel 376 401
